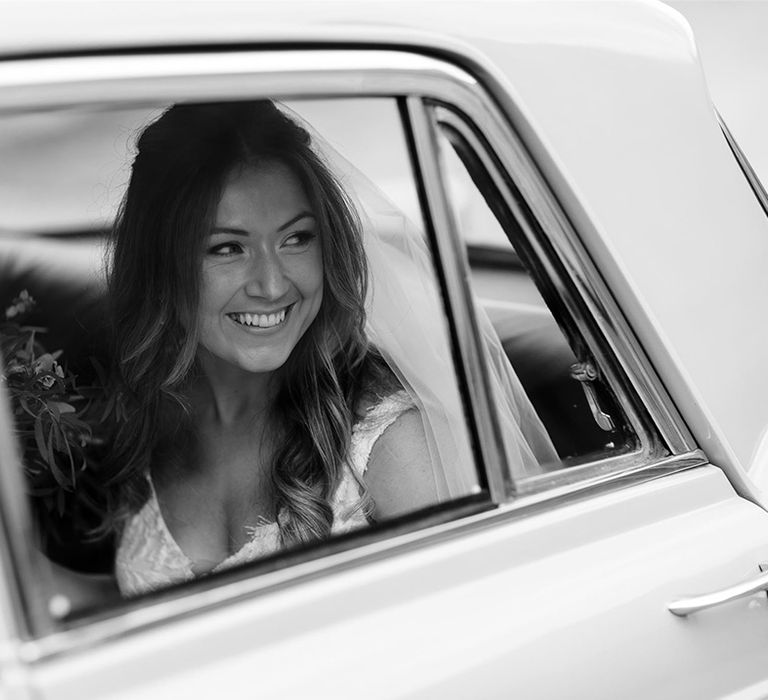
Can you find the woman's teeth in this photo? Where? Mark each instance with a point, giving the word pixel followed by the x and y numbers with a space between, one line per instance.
pixel 260 320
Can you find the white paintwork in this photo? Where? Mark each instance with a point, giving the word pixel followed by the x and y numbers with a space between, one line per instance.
pixel 730 37
pixel 567 603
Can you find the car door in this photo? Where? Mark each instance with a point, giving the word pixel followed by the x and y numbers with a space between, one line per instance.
pixel 546 585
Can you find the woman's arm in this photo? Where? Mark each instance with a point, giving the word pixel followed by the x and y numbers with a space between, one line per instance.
pixel 400 475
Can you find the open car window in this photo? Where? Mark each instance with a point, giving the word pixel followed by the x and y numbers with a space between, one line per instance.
pixel 583 417
pixel 59 358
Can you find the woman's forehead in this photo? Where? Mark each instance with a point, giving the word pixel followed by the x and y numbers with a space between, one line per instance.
pixel 269 192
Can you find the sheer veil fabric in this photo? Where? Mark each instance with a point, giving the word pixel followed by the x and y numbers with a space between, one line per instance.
pixel 406 321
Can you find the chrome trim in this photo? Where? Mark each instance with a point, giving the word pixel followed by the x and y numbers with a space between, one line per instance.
pixel 179 604
pixel 560 487
pixel 619 461
pixel 648 448
pixel 579 268
pixel 163 78
pixel 624 469
pixel 20 558
pixel 50 83
pixel 452 256
pixel 744 164
pixel 682 607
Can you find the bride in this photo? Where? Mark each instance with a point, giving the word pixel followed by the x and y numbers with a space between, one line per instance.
pixel 281 366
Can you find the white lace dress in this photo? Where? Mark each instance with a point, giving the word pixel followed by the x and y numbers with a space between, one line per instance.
pixel 149 558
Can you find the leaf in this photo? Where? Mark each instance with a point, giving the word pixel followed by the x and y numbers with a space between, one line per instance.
pixel 61 406
pixel 55 431
pixel 100 371
pixel 110 406
pixel 71 463
pixel 29 347
pixel 60 476
pixel 122 411
pixel 48 451
pixel 25 405
pixel 39 439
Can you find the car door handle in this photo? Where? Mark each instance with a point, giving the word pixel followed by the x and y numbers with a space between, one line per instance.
pixel 685 606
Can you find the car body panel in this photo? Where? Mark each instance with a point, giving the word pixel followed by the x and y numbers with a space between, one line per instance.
pixel 578 615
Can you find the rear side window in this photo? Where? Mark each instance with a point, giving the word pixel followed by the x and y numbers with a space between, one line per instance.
pixel 583 417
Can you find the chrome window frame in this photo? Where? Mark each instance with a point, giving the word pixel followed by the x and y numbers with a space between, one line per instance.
pixel 746 167
pixel 45 83
pixel 586 468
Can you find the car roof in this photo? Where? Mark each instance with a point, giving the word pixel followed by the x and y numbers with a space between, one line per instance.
pixel 41 27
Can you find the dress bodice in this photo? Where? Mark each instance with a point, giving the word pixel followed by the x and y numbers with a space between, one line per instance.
pixel 149 558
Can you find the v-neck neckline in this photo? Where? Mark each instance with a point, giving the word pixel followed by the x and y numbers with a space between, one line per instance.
pixel 196 566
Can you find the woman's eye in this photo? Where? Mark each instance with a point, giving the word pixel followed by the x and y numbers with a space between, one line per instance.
pixel 299 239
pixel 225 249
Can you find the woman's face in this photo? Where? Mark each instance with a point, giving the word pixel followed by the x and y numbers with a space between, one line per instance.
pixel 262 276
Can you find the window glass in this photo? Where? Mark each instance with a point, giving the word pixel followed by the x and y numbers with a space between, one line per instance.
pixel 564 384
pixel 288 406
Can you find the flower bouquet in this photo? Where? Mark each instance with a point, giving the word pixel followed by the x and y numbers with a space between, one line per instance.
pixel 54 419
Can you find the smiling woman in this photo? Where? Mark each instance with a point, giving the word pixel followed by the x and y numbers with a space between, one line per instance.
pixel 280 356
pixel 259 414
pixel 246 379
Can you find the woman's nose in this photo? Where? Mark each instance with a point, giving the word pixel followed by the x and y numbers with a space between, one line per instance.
pixel 266 277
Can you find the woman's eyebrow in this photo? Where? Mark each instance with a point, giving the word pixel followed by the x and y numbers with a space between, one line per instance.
pixel 228 230
pixel 296 218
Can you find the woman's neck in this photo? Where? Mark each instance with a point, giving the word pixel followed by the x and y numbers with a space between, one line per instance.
pixel 226 395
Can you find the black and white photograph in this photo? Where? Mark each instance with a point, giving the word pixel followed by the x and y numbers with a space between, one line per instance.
pixel 383 349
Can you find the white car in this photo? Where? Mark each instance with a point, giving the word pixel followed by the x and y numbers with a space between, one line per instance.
pixel 567 158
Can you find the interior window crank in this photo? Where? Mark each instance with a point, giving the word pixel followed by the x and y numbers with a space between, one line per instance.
pixel 586 373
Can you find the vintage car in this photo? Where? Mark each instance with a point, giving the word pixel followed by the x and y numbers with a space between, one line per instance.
pixel 578 186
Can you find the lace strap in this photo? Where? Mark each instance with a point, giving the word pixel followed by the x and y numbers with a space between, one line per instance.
pixel 371 427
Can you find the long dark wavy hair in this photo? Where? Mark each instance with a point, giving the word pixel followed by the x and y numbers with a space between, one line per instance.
pixel 178 175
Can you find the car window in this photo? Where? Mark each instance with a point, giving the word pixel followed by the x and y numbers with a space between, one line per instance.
pixel 63 176
pixel 567 387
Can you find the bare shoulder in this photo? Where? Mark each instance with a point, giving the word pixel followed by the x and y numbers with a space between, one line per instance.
pixel 400 475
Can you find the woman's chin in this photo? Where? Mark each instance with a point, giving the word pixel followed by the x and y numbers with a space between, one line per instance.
pixel 241 364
